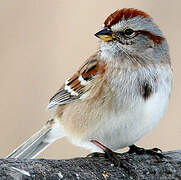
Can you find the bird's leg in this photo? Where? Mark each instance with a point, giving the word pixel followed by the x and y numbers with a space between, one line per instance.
pixel 138 150
pixel 113 157
pixel 109 154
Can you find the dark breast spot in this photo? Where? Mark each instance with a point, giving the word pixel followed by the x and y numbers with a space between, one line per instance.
pixel 146 90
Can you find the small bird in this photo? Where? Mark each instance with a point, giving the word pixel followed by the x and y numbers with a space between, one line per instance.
pixel 117 96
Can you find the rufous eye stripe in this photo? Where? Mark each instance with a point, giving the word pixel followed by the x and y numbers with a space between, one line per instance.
pixel 156 39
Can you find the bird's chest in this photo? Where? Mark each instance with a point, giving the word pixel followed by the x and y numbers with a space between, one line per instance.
pixel 129 88
pixel 138 103
pixel 125 126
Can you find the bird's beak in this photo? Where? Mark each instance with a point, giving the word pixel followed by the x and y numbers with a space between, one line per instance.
pixel 105 35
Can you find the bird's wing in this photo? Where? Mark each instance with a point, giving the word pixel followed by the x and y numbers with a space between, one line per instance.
pixel 80 84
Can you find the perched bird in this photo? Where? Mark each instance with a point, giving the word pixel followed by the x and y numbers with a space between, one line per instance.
pixel 117 96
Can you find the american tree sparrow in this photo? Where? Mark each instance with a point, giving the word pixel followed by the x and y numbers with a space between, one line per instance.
pixel 117 96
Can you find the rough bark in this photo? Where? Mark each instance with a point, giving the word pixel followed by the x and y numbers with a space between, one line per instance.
pixel 140 167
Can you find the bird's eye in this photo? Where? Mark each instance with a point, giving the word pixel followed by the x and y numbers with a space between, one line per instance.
pixel 129 32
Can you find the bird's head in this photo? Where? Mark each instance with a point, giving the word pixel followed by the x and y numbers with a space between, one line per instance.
pixel 132 33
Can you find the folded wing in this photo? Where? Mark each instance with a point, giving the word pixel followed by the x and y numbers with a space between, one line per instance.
pixel 80 83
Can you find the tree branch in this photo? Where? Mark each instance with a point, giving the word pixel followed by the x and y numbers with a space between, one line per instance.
pixel 140 167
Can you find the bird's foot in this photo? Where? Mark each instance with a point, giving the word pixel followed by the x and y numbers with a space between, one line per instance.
pixel 156 152
pixel 114 157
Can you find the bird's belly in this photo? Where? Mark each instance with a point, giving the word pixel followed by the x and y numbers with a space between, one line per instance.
pixel 121 129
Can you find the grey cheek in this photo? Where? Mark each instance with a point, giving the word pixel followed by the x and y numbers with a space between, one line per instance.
pixel 149 50
pixel 139 47
pixel 143 44
pixel 151 44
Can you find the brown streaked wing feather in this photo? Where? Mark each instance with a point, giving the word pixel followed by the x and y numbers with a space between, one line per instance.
pixel 61 97
pixel 75 87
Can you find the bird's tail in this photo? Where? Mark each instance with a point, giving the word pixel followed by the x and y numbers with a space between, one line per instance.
pixel 39 141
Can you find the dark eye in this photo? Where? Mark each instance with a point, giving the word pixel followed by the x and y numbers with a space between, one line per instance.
pixel 129 32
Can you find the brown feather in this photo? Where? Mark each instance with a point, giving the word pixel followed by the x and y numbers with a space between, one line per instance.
pixel 74 88
pixel 126 13
pixel 156 39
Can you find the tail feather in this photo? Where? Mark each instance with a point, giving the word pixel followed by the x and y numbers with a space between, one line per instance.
pixel 38 142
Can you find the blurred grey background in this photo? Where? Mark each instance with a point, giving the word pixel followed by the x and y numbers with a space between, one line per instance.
pixel 43 42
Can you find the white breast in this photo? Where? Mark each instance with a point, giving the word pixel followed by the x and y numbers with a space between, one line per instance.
pixel 125 128
pixel 132 117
